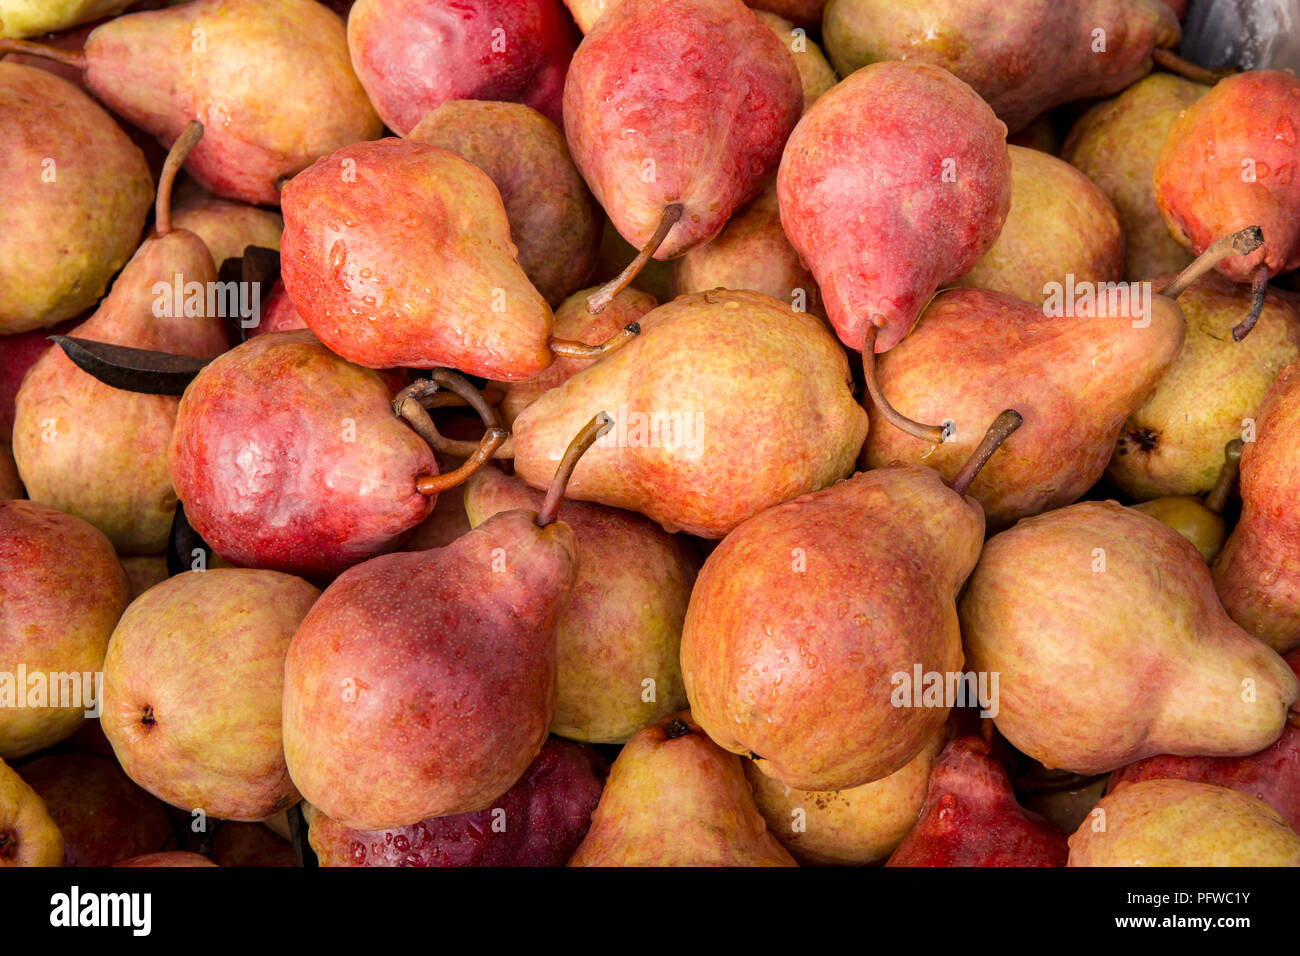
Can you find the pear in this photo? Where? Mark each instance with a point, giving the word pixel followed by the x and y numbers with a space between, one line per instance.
pixel 1182 823
pixel 28 836
pixel 806 13
pixel 1076 378
pixel 227 228
pixel 1172 444
pixel 971 817
pixel 700 446
pixel 144 571
pixel 774 631
pixel 851 827
pixel 1257 574
pixel 250 845
pixel 1116 144
pixel 752 253
pixel 815 73
pixel 63 593
pixel 29 18
pixel 95 451
pixel 76 196
pixel 279 314
pixel 1112 646
pixel 170 858
pixel 228 63
pixel 671 146
pixel 618 641
pixel 1059 225
pixel 674 798
pixel 585 13
pixel 1004 53
pixel 553 218
pixel 886 198
pixel 1200 520
pixel 11 486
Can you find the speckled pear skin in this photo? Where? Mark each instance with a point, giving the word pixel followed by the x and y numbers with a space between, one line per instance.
pixel 892 185
pixel 144 67
pixel 1177 675
pixel 1245 126
pixel 289 458
pixel 1116 144
pixel 677 801
pixel 398 253
pixel 1024 59
pixel 98 452
pixel 227 228
pixel 61 241
pixel 623 624
pixel 573 321
pixel 63 593
pixel 1173 442
pixel 773 631
pixel 1257 574
pixel 28 836
pixel 1074 380
pixel 193 683
pixel 763 404
pixel 679 101
pixel 1182 823
pixel 432 671
pixel 1060 224
pixel 554 220
pixel 815 73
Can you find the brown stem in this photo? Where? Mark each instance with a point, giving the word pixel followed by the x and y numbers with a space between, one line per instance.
pixel 572 349
pixel 454 382
pixel 410 403
pixel 1258 293
pixel 73 58
pixel 1240 243
pixel 581 442
pixel 1174 63
pixel 1002 428
pixel 188 139
pixel 1217 499
pixel 430 485
pixel 606 294
pixel 935 434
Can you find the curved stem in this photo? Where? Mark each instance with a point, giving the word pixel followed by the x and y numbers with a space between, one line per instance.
pixel 1001 429
pixel 935 434
pixel 73 58
pixel 430 485
pixel 1258 293
pixel 581 442
pixel 603 296
pixel 1174 63
pixel 1217 499
pixel 1240 243
pixel 409 405
pixel 454 382
pixel 572 349
pixel 188 139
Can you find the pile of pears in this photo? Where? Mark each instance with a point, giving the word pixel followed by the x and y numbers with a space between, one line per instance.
pixel 660 433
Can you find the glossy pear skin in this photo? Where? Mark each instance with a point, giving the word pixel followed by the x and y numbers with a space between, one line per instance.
pixel 735 448
pixel 29 836
pixel 65 228
pixel 971 817
pixel 677 801
pixel 1023 59
pixel 1075 381
pixel 1116 144
pixel 154 70
pixel 773 631
pixel 889 131
pixel 1172 444
pixel 433 671
pixel 1181 823
pixel 1230 162
pixel 679 101
pixel 287 457
pixel 1257 574
pixel 398 253
pixel 1060 224
pixel 1176 674
pixel 623 624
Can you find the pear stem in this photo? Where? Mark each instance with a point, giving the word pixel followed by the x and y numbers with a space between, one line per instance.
pixel 1002 428
pixel 585 438
pixel 1258 294
pixel 430 485
pixel 935 434
pixel 606 294
pixel 462 387
pixel 409 405
pixel 73 58
pixel 1240 243
pixel 188 139
pixel 1217 499
pixel 1174 63
pixel 572 349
